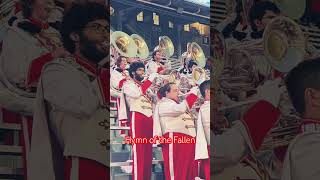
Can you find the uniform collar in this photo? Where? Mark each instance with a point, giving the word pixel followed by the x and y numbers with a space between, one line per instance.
pixel 90 68
pixel 39 23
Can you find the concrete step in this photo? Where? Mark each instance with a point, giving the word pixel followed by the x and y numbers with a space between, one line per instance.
pixel 7 126
pixel 128 163
pixel 10 150
pixel 11 173
pixel 125 176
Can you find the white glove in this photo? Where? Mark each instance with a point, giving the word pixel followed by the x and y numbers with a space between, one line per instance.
pixel 271 92
pixel 152 76
pixel 195 90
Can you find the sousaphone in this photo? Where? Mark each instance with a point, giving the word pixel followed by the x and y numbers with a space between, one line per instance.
pixel 196 54
pixel 291 8
pixel 284 44
pixel 199 75
pixel 142 47
pixel 124 44
pixel 165 46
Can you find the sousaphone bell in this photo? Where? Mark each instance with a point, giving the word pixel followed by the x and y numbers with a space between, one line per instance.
pixel 165 46
pixel 199 75
pixel 197 54
pixel 284 44
pixel 142 47
pixel 124 44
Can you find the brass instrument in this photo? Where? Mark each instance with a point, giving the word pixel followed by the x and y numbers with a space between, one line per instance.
pixel 197 54
pixel 142 47
pixel 199 75
pixel 50 39
pixel 283 46
pixel 124 44
pixel 291 8
pixel 165 46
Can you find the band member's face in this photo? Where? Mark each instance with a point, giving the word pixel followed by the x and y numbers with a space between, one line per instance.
pixel 93 41
pixel 173 93
pixel 41 9
pixel 267 17
pixel 157 56
pixel 139 74
pixel 123 64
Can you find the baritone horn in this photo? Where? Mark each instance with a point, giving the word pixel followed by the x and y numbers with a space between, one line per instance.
pixel 124 44
pixel 142 47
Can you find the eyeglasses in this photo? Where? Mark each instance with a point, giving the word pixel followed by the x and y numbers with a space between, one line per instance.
pixel 99 28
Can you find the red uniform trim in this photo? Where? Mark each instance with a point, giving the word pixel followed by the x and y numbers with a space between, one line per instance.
pixel 191 99
pixel 39 23
pixel 258 120
pixel 121 83
pixel 145 85
pixel 17 8
pixel 277 74
pixel 88 170
pixel 160 69
pixel 35 68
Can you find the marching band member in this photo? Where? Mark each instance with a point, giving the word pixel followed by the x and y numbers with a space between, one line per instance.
pixel 118 77
pixel 26 48
pixel 173 122
pixel 203 130
pixel 141 121
pixel 247 135
pixel 69 130
pixel 262 13
pixel 302 157
pixel 155 65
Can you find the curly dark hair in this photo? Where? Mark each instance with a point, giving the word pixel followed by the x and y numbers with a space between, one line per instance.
pixel 134 67
pixel 77 18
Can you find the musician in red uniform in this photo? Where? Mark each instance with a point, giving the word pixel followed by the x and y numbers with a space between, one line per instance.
pixel 70 126
pixel 141 121
pixel 155 65
pixel 247 134
pixel 29 44
pixel 203 130
pixel 118 77
pixel 173 121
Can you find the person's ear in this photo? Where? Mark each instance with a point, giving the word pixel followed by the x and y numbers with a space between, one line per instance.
pixel 314 96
